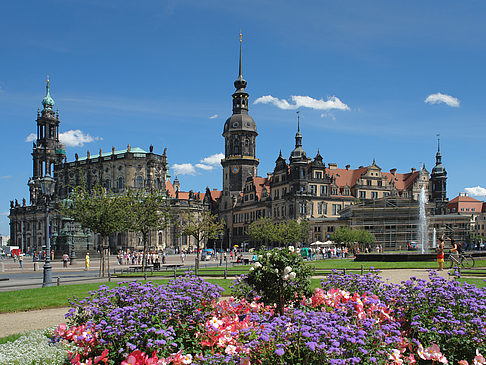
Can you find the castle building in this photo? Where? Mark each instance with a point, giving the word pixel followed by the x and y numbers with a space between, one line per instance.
pixel 306 188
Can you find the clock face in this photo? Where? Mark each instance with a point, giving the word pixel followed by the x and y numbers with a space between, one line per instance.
pixel 235 169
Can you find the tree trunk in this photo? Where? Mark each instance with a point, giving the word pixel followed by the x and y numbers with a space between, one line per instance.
pixel 102 258
pixel 108 259
pixel 144 254
pixel 196 266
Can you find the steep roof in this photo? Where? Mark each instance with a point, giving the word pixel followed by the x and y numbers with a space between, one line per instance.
pixel 345 177
pixel 183 195
pixel 259 183
pixel 402 181
pixel 464 198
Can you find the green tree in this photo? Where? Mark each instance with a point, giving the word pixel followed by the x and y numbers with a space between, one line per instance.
pixel 263 231
pixel 101 212
pixel 344 235
pixel 201 226
pixel 284 233
pixel 146 211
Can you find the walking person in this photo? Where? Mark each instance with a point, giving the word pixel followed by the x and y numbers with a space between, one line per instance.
pixel 65 259
pixel 86 262
pixel 440 253
pixel 21 258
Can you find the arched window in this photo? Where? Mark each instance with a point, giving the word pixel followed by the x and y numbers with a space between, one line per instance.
pixel 107 184
pixel 121 183
pixel 139 182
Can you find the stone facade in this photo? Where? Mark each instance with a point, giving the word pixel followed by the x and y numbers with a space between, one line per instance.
pixel 302 187
pixel 117 171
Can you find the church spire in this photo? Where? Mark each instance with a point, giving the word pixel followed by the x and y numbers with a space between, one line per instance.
pixel 47 101
pixel 438 155
pixel 240 97
pixel 298 135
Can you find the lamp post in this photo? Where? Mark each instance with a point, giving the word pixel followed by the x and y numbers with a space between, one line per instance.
pixel 47 187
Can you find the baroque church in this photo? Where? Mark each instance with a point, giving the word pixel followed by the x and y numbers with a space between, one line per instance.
pixel 116 170
pixel 299 188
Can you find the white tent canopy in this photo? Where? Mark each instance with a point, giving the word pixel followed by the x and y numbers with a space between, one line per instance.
pixel 322 244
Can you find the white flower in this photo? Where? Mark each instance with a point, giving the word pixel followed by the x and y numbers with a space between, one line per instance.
pixel 291 248
pixel 257 265
pixel 285 277
pixel 187 359
pixel 292 275
pixel 269 254
pixel 276 271
pixel 287 270
pixel 251 269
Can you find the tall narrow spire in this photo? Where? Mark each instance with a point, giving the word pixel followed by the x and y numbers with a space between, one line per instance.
pixel 298 120
pixel 438 143
pixel 240 97
pixel 298 135
pixel 240 74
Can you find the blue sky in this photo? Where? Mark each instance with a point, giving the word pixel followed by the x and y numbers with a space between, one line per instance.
pixel 162 72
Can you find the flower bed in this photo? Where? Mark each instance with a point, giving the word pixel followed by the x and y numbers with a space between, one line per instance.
pixel 352 319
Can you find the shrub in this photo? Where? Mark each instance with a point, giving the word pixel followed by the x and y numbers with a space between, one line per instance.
pixel 279 277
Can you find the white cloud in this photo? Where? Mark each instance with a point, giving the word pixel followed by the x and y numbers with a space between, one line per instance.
pixel 442 98
pixel 204 167
pixel 476 191
pixel 31 137
pixel 71 138
pixel 213 160
pixel 328 115
pixel 214 116
pixel 184 169
pixel 76 138
pixel 299 101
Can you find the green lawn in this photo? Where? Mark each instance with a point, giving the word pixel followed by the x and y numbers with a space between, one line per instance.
pixel 55 296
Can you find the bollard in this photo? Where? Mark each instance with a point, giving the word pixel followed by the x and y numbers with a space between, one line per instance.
pixel 175 272
pixel 2 267
pixel 58 281
pixel 362 270
pixel 344 271
pixel 145 276
pixel 36 266
pixel 109 276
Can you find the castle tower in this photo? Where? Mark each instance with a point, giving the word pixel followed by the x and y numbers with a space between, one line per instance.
pixel 47 150
pixel 239 134
pixel 438 179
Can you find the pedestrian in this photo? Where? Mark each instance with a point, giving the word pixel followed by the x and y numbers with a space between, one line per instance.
pixel 440 253
pixel 65 259
pixel 20 260
pixel 183 256
pixel 454 249
pixel 86 262
pixel 163 258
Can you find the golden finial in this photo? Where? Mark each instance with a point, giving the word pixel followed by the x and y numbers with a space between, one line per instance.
pixel 47 80
pixel 241 36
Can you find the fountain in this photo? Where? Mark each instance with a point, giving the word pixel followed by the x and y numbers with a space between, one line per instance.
pixel 422 227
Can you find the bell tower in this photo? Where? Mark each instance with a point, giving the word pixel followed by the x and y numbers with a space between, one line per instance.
pixel 438 179
pixel 239 134
pixel 47 150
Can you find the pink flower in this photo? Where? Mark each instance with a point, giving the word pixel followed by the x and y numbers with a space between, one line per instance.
pixel 479 359
pixel 463 362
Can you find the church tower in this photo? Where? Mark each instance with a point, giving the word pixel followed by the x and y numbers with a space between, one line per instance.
pixel 239 134
pixel 47 150
pixel 438 180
